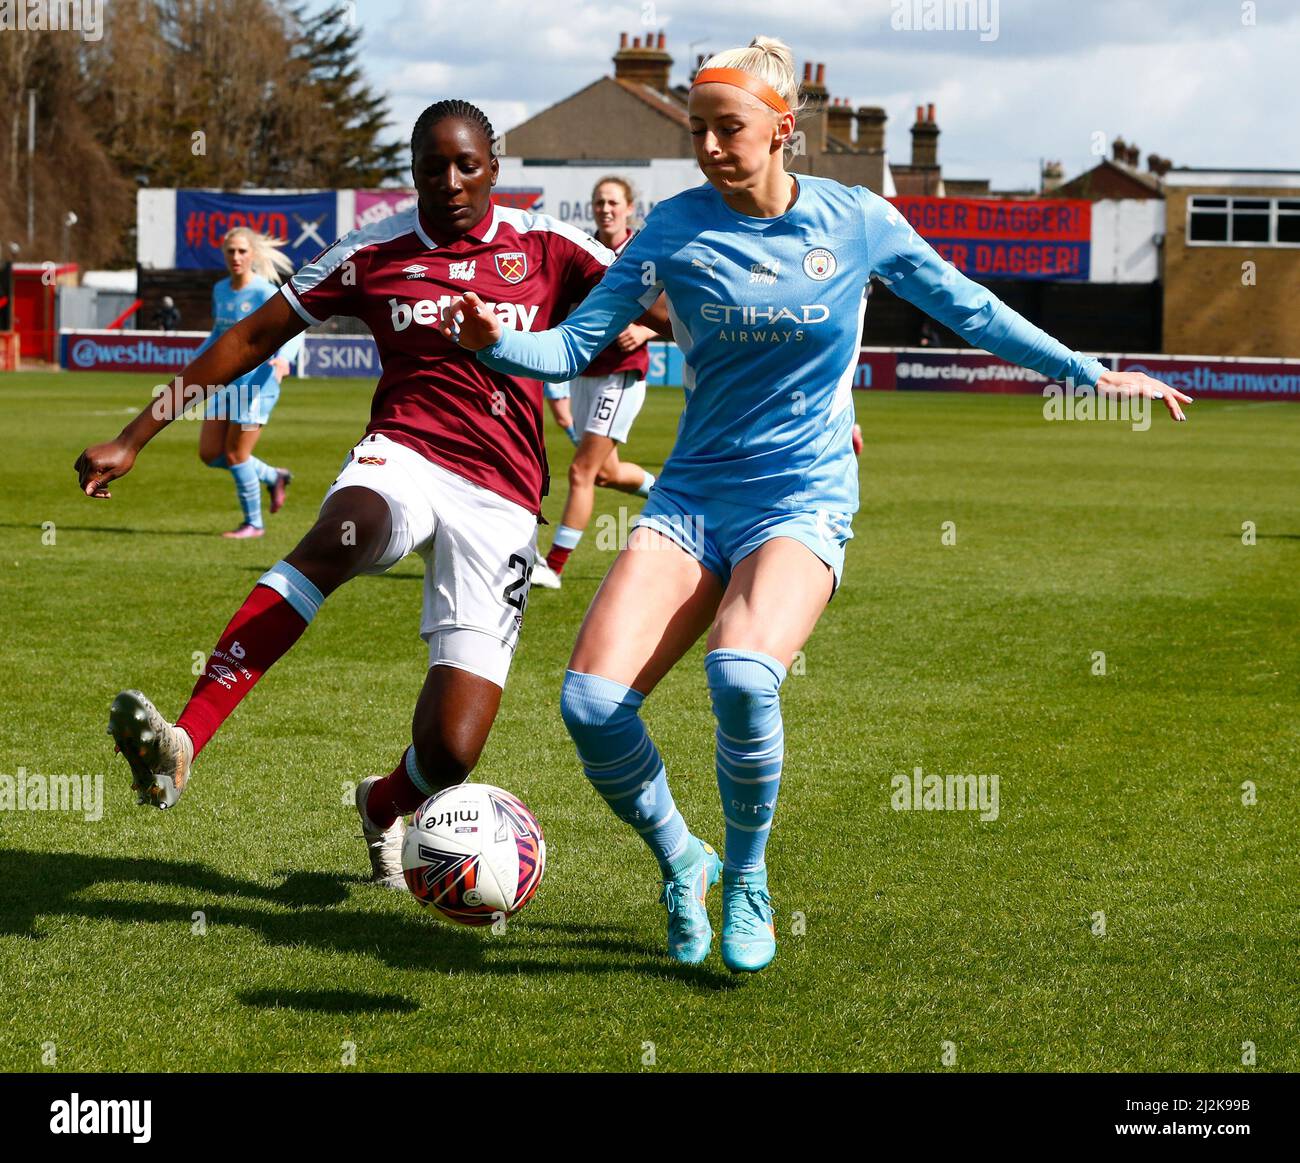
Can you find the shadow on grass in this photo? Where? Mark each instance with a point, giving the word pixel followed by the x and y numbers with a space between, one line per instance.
pixel 320 911
pixel 60 527
pixel 328 1001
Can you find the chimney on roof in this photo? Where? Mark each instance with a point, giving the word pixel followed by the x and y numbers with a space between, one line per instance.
pixel 647 64
pixel 1158 165
pixel 871 127
pixel 1119 150
pixel 925 139
pixel 1134 156
pixel 1052 177
pixel 814 118
pixel 839 120
pixel 813 89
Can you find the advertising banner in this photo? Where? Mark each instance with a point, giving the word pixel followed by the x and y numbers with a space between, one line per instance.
pixel 1220 379
pixel 307 223
pixel 127 351
pixel 994 238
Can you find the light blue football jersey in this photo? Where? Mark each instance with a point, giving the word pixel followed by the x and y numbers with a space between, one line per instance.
pixel 230 306
pixel 768 313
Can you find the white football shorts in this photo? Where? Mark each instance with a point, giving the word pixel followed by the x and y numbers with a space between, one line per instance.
pixel 607 405
pixel 478 551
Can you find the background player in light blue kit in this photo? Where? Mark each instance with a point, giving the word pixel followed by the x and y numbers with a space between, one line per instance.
pixel 743 534
pixel 234 416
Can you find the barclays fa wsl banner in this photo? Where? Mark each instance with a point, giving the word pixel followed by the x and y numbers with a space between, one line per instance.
pixel 307 223
pixel 994 238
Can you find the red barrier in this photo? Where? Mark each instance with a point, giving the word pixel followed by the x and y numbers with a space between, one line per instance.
pixel 122 318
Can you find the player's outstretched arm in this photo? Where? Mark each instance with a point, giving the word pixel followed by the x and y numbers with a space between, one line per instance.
pixel 245 346
pixel 914 271
pixel 558 354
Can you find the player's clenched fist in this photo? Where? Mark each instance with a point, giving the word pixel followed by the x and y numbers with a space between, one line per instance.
pixel 102 463
pixel 469 322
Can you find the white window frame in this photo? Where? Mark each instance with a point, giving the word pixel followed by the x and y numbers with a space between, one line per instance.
pixel 1274 213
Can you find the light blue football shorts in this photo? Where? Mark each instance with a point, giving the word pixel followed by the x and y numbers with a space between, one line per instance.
pixel 719 534
pixel 248 401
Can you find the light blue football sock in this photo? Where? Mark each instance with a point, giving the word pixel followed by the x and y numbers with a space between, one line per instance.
pixel 647 484
pixel 566 537
pixel 249 490
pixel 744 686
pixel 265 473
pixel 220 462
pixel 623 763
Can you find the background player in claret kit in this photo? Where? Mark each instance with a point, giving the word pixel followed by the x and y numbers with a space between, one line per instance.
pixel 606 399
pixel 452 467
pixel 744 534
pixel 235 415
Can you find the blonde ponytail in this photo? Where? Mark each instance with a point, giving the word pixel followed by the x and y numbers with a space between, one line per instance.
pixel 268 257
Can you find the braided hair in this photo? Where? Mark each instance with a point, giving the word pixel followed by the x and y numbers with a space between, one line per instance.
pixel 461 110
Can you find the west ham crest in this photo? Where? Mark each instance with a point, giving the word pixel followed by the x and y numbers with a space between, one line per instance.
pixel 512 265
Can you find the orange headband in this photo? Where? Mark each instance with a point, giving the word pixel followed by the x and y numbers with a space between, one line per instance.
pixel 743 80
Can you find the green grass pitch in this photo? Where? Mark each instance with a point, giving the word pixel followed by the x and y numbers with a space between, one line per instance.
pixel 918 940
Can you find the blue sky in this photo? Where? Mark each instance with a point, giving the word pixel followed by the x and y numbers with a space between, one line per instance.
pixel 1192 80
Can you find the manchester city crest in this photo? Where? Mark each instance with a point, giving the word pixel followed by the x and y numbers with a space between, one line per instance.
pixel 819 264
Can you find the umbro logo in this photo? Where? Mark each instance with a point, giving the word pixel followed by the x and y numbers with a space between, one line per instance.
pixel 414 271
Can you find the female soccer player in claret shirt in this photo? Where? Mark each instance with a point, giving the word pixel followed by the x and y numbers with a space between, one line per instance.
pixel 452 466
pixel 606 400
pixel 744 533
pixel 235 416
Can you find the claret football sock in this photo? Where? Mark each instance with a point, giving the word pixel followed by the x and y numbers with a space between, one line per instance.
pixel 402 791
pixel 269 622
pixel 744 686
pixel 566 541
pixel 622 762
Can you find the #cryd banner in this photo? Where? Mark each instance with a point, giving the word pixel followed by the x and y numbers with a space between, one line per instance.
pixel 306 222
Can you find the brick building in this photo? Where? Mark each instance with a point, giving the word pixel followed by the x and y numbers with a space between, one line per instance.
pixel 1232 262
pixel 638 113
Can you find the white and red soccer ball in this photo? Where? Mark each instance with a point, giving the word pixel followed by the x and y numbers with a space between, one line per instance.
pixel 474 853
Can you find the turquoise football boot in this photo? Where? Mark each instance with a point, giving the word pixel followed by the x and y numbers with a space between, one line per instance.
pixel 748 935
pixel 689 931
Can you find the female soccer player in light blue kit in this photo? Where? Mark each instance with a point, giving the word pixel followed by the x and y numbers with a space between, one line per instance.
pixel 743 535
pixel 234 416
